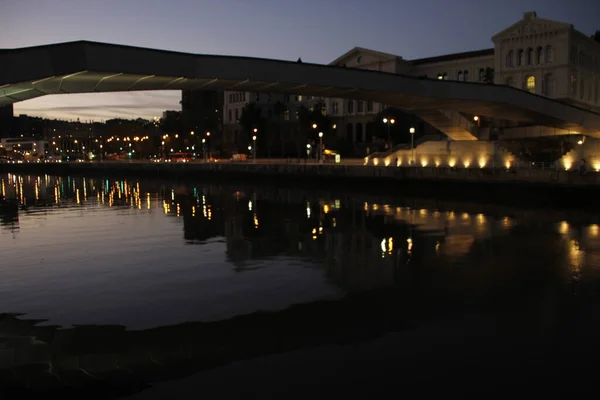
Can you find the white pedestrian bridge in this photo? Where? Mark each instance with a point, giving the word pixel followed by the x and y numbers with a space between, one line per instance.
pixel 86 67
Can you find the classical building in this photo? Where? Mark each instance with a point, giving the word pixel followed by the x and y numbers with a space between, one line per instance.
pixel 545 57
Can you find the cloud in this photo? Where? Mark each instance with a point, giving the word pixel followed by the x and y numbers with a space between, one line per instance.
pixel 110 107
pixel 99 106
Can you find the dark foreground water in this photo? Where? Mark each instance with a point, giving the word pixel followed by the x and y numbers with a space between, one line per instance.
pixel 146 254
pixel 456 284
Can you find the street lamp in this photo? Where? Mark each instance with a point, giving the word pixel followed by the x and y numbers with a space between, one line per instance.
pixel 389 122
pixel 314 126
pixel 192 133
pixel 412 144
pixel 208 144
pixel 254 142
pixel 320 147
pixel 204 149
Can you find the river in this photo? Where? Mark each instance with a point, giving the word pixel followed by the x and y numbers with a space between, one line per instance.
pixel 149 253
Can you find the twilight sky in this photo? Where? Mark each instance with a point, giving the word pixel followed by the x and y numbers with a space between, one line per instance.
pixel 316 30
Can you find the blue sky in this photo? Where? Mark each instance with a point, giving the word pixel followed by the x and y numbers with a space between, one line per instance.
pixel 316 30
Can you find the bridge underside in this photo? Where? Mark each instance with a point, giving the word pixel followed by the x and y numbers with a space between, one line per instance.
pixel 87 67
pixel 535 131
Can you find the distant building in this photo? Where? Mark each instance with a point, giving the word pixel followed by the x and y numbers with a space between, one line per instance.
pixel 545 57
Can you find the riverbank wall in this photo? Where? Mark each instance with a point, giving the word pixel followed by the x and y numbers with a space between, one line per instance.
pixel 439 182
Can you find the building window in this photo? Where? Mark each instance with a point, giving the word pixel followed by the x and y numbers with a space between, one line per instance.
pixel 597 94
pixel 359 106
pixel 508 81
pixel 229 116
pixel 481 74
pixel 257 97
pixel 573 85
pixel 530 84
pixel 529 56
pixel 237 115
pixel 459 76
pixel 299 97
pixel 573 54
pixel 369 106
pixel 286 98
pixel 539 55
pixel 323 110
pixel 334 108
pixel 286 115
pixel 581 88
pixel 350 132
pixel 581 58
pixel 521 58
pixel 466 76
pixel 548 85
pixel 549 55
pixel 509 59
pixel 350 107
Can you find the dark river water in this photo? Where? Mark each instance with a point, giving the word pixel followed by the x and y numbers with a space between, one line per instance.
pixel 144 253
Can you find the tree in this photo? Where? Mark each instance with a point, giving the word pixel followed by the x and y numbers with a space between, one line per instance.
pixel 279 110
pixel 251 119
pixel 489 76
pixel 171 122
pixel 596 36
pixel 322 123
pixel 399 130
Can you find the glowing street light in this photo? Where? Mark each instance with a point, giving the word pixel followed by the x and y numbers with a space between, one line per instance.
pixel 412 143
pixel 254 141
pixel 389 122
pixel 320 147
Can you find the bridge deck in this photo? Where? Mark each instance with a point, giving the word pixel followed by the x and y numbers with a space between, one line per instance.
pixel 86 67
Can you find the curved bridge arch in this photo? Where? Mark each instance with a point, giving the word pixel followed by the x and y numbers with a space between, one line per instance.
pixel 87 67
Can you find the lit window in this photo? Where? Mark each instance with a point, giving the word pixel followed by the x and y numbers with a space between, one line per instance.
pixel 440 76
pixel 286 115
pixel 299 97
pixel 530 84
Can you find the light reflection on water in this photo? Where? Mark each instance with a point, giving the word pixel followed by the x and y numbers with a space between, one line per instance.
pixel 103 251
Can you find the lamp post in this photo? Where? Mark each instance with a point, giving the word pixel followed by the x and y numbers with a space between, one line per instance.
pixel 389 122
pixel 412 144
pixel 208 145
pixel 320 147
pixel 254 146
pixel 204 149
